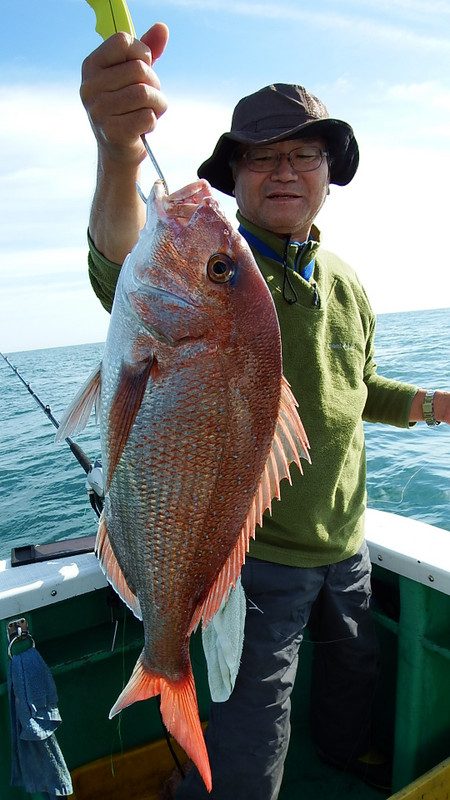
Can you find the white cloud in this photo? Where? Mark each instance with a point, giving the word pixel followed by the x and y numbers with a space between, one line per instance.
pixel 385 224
pixel 399 34
pixel 48 164
pixel 416 114
pixel 42 121
pixel 45 264
pixel 391 225
pixel 427 8
pixel 46 184
pixel 429 94
pixel 46 300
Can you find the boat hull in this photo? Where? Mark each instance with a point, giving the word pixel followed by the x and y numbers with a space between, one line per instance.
pixel 91 642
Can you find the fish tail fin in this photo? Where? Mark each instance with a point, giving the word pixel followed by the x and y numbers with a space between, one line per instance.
pixel 179 711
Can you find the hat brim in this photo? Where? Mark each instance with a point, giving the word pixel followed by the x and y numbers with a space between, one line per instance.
pixel 339 136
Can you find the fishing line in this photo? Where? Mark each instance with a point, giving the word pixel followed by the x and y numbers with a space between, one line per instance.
pixel 168 739
pixel 118 729
pixel 402 495
pixel 119 722
pixel 124 680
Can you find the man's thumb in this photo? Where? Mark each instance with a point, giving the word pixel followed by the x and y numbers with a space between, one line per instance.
pixel 156 39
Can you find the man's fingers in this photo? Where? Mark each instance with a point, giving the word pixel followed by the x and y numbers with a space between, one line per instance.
pixel 126 101
pixel 123 47
pixel 156 39
pixel 121 92
pixel 116 50
pixel 121 130
pixel 121 76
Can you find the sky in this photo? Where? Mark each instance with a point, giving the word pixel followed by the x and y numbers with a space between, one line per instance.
pixel 381 65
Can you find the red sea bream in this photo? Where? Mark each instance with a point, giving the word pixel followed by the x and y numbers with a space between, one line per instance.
pixel 198 427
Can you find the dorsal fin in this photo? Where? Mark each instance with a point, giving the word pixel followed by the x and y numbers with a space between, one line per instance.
pixel 289 444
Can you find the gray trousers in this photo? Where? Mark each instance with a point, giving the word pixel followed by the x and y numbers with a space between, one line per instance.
pixel 248 736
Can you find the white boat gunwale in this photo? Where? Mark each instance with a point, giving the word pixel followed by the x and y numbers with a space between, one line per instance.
pixel 408 547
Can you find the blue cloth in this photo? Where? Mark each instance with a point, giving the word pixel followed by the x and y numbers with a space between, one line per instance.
pixel 37 762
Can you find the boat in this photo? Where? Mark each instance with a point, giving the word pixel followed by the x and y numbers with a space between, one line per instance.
pixel 56 598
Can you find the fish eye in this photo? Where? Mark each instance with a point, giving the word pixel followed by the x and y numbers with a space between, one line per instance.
pixel 220 268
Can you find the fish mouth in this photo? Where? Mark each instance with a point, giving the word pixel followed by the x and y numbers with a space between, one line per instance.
pixel 184 203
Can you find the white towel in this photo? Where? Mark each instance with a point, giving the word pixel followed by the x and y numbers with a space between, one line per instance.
pixel 223 639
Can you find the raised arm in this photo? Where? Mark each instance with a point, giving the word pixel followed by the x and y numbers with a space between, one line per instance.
pixel 122 97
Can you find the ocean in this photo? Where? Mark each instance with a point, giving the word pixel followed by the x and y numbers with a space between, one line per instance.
pixel 42 486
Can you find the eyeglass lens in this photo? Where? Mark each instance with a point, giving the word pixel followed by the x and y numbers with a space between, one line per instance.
pixel 301 159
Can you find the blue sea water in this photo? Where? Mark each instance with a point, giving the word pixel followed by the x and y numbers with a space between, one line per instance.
pixel 42 487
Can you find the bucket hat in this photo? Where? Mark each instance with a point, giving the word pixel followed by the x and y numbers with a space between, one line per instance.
pixel 277 112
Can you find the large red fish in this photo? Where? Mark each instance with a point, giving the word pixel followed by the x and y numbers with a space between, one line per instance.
pixel 198 427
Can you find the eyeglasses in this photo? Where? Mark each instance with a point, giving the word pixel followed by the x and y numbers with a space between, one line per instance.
pixel 302 159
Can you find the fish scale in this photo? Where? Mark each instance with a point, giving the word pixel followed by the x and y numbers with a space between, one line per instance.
pixel 198 428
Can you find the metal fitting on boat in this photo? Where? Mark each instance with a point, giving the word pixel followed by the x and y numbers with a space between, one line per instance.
pixel 18 631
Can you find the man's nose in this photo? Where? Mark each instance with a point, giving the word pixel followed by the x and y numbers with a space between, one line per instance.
pixel 284 167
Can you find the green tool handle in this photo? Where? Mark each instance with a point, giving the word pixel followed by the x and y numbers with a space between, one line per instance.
pixel 112 16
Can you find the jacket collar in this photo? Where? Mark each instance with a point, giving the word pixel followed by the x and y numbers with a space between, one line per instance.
pixel 297 255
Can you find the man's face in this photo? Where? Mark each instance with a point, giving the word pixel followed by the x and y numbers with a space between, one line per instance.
pixel 282 201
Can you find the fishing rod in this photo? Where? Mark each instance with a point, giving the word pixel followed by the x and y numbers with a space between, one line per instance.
pixel 93 471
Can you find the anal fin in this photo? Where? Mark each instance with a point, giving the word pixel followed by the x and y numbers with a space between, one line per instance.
pixel 111 568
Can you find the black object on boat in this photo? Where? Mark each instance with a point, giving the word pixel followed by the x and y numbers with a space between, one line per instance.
pixel 33 553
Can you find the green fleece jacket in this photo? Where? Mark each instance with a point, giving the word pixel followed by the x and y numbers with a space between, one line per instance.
pixel 328 359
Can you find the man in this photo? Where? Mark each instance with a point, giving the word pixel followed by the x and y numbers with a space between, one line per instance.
pixel 278 159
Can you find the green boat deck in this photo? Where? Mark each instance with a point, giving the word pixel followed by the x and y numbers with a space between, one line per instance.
pixel 75 637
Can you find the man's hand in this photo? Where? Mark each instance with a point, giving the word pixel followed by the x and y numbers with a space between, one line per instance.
pixel 121 92
pixel 441 404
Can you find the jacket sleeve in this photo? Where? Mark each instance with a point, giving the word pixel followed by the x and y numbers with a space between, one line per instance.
pixel 103 275
pixel 388 400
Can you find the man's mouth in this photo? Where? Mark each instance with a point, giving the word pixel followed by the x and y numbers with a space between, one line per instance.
pixel 282 196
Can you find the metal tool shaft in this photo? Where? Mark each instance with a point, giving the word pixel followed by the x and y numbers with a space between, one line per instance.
pixel 155 163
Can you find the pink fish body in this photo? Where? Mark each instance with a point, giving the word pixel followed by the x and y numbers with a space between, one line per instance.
pixel 198 427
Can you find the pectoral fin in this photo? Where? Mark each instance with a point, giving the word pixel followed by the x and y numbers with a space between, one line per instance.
pixel 76 416
pixel 125 406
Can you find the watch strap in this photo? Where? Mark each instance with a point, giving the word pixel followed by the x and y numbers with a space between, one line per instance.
pixel 428 409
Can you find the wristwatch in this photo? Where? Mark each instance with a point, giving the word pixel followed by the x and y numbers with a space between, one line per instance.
pixel 428 410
